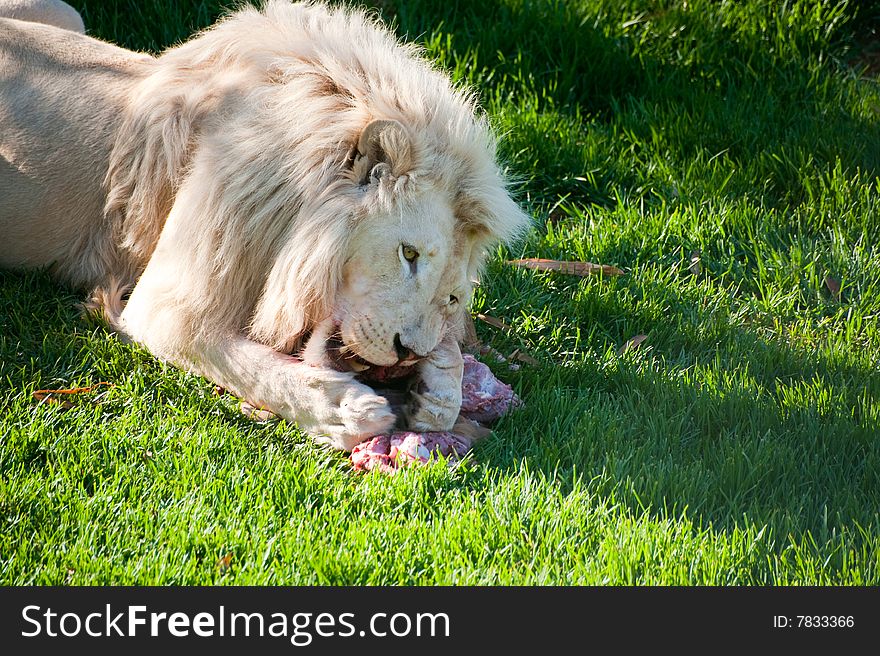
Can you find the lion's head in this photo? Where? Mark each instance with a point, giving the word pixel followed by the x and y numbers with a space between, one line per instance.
pixel 403 256
pixel 408 202
pixel 324 170
pixel 409 266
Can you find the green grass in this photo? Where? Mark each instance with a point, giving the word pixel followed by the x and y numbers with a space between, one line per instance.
pixel 738 445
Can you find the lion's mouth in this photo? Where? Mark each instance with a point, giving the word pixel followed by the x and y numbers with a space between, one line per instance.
pixel 343 356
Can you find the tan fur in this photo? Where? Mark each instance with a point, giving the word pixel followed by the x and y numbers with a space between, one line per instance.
pixel 250 184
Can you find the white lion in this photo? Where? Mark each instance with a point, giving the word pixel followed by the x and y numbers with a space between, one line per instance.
pixel 290 171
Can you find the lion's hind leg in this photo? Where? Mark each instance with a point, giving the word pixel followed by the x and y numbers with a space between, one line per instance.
pixel 48 12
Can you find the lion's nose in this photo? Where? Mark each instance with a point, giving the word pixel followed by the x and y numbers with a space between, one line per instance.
pixel 402 352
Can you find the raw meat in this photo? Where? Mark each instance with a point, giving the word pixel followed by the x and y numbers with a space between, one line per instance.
pixel 387 453
pixel 484 400
pixel 484 397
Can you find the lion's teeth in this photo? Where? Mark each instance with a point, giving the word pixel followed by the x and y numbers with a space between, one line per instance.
pixel 357 366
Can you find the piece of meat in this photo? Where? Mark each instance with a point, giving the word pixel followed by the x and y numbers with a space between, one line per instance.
pixel 484 398
pixel 377 374
pixel 388 453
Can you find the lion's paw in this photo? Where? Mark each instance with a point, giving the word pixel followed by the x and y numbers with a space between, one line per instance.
pixel 435 395
pixel 347 417
pixel 430 411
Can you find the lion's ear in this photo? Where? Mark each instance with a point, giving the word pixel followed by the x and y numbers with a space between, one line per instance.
pixel 383 145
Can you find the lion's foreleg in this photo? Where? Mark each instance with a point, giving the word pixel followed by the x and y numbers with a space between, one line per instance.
pixel 435 397
pixel 329 405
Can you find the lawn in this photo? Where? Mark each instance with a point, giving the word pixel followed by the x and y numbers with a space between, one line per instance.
pixel 725 155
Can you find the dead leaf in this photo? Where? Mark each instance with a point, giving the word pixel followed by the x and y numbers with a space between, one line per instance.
pixel 526 358
pixel 632 343
pixel 520 356
pixel 52 395
pixel 45 398
pixel 696 265
pixel 73 390
pixel 582 269
pixel 470 341
pixel 219 391
pixel 495 323
pixel 224 563
pixel 833 287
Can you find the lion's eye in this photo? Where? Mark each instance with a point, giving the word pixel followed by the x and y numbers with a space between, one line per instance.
pixel 410 254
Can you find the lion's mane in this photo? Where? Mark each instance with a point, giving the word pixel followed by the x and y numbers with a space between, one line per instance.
pixel 240 143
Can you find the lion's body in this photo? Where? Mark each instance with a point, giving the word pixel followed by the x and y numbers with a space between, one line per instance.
pixel 289 169
pixel 62 96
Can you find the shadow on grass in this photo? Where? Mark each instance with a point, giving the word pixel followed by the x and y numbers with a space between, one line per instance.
pixel 40 325
pixel 735 429
pixel 679 82
pixel 682 85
